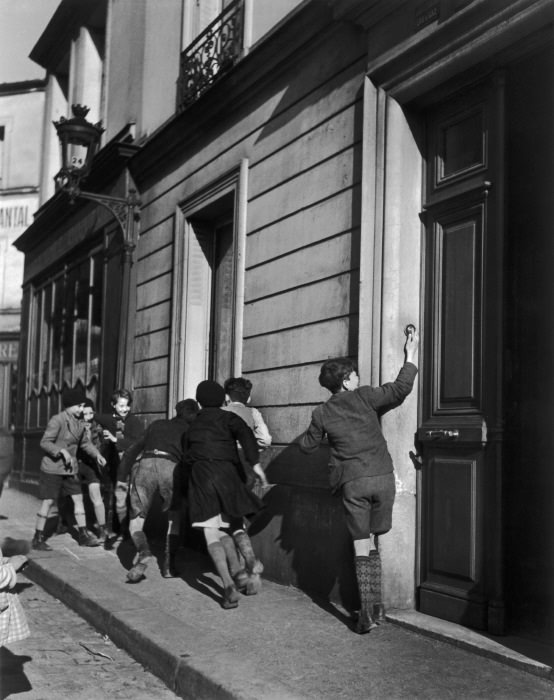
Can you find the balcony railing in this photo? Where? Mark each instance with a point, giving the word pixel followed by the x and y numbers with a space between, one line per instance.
pixel 211 54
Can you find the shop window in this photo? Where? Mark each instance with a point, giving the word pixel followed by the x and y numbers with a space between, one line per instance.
pixel 66 336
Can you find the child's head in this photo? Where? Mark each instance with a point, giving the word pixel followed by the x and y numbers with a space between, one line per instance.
pixel 334 373
pixel 121 402
pixel 210 394
pixel 238 389
pixel 188 408
pixel 73 401
pixel 89 410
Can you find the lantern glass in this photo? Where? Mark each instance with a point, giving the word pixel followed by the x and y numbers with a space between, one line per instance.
pixel 79 141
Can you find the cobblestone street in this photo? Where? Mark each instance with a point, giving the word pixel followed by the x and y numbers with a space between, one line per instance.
pixel 67 658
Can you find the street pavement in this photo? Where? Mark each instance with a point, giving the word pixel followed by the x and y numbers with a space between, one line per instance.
pixel 278 645
pixel 65 657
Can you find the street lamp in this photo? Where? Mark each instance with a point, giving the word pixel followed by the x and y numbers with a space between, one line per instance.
pixel 79 141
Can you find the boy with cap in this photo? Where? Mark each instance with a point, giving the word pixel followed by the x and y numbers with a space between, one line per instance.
pixel 217 496
pixel 59 471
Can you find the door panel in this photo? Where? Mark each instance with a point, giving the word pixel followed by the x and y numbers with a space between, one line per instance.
pixel 457 493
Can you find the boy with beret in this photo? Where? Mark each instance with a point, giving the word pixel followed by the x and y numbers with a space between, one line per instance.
pixel 59 469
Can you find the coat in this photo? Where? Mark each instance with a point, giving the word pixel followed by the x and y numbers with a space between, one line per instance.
pixel 65 432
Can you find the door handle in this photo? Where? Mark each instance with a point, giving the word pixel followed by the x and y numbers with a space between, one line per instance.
pixel 444 434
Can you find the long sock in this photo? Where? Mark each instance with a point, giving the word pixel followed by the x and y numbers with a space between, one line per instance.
pixel 100 514
pixel 363 577
pixel 231 554
pixel 141 543
pixel 244 545
pixel 219 558
pixel 375 585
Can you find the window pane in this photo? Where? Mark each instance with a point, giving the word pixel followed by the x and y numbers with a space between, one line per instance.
pixel 45 359
pixel 56 330
pixel 68 326
pixel 81 320
pixel 96 316
pixel 35 367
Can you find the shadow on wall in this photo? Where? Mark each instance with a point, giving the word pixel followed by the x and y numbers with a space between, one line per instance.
pixel 301 535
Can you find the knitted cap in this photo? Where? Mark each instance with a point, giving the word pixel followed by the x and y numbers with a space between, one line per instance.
pixel 72 397
pixel 210 394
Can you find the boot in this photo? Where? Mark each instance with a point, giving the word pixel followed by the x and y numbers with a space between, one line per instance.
pixel 375 586
pixel 237 571
pixel 365 622
pixel 86 538
pixel 39 542
pixel 142 558
pixel 170 552
pixel 230 594
pixel 254 567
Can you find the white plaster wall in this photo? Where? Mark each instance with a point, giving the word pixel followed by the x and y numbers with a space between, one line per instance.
pixel 401 286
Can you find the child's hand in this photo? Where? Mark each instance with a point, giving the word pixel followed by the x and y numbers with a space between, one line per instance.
pixel 18 561
pixel 411 346
pixel 101 461
pixel 67 459
pixel 108 436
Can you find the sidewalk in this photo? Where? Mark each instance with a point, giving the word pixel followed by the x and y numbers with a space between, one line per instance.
pixel 278 645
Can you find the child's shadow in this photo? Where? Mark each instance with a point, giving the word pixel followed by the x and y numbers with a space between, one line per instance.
pixel 12 674
pixel 193 573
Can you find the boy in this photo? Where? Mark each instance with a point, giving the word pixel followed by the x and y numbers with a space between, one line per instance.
pixel 217 495
pixel 92 475
pixel 160 470
pixel 238 392
pixel 361 467
pixel 64 434
pixel 120 428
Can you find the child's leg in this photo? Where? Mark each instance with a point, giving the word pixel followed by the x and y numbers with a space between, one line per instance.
pixel 254 566
pixel 216 551
pixel 140 564
pixel 171 544
pixel 121 493
pixel 98 505
pixel 235 564
pixel 42 516
pixel 85 539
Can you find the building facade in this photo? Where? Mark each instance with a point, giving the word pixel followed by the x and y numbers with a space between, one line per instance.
pixel 313 177
pixel 21 112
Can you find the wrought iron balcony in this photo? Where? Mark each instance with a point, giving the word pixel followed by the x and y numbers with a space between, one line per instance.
pixel 211 54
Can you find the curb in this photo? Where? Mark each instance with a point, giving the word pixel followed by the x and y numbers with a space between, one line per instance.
pixel 179 675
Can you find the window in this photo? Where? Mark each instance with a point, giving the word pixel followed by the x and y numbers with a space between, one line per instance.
pixel 208 306
pixel 66 336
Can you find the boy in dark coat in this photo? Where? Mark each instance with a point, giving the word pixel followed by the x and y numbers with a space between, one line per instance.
pixel 218 499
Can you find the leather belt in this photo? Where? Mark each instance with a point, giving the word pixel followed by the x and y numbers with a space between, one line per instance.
pixel 160 453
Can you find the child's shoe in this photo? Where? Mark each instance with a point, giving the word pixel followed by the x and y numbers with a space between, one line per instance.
pixel 230 598
pixel 87 539
pixel 39 542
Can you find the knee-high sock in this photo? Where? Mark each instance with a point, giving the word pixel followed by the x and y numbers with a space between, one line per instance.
pixel 231 554
pixel 375 576
pixel 219 558
pixel 141 543
pixel 363 577
pixel 245 548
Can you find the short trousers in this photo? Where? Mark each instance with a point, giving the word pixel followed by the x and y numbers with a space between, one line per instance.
pixel 155 474
pixel 368 503
pixel 89 475
pixel 51 486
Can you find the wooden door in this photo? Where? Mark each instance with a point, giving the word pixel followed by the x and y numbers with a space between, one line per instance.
pixel 460 563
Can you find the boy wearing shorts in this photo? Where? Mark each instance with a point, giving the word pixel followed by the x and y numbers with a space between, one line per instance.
pixel 361 467
pixel 59 471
